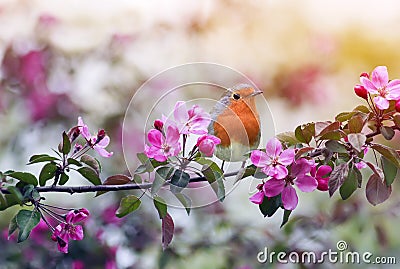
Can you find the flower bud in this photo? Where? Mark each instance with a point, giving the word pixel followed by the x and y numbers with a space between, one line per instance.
pixel 361 91
pixel 397 106
pixel 158 125
pixel 364 74
pixel 100 135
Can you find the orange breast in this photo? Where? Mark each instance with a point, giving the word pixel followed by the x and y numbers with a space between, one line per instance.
pixel 239 123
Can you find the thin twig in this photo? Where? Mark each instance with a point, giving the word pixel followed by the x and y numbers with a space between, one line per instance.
pixel 84 189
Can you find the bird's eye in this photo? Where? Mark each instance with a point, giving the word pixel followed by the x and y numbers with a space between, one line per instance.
pixel 236 96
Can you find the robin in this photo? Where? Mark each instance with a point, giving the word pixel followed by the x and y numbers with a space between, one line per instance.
pixel 236 122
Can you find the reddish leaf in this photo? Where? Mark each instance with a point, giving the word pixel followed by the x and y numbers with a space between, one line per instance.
pixel 115 180
pixel 388 152
pixel 376 191
pixel 356 124
pixel 303 151
pixel 330 128
pixel 377 171
pixel 167 230
pixel 338 175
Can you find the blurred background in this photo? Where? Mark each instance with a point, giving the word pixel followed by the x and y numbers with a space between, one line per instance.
pixel 63 59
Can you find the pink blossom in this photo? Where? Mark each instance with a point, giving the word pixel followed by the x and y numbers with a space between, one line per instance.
pixel 380 86
pixel 274 161
pixel 68 230
pixel 257 198
pixel 192 121
pixel 78 264
pixel 98 142
pixel 298 177
pixel 163 147
pixel 320 175
pixel 207 143
pixel 360 165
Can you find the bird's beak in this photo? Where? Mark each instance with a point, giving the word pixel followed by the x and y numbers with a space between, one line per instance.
pixel 256 92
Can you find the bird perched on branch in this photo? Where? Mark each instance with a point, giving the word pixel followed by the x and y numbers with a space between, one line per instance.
pixel 236 122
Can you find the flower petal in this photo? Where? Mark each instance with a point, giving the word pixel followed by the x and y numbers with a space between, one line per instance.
pixel 104 142
pixel 274 147
pixel 306 183
pixel 394 94
pixel 368 85
pixel 381 102
pixel 278 171
pixel 180 112
pixel 259 158
pixel 76 232
pixel 273 187
pixel 155 137
pixel 257 198
pixel 287 157
pixel 172 135
pixel 289 198
pixel 301 167
pixel 380 77
pixel 103 152
pixel 322 171
pixel 393 84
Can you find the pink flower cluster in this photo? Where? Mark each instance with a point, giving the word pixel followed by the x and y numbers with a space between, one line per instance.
pixel 303 173
pixel 68 230
pixel 98 142
pixel 165 137
pixel 380 87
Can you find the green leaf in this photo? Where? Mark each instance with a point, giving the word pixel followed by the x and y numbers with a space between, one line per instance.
pixel 288 137
pixel 143 168
pixel 362 109
pixel 350 184
pixel 65 145
pixel 357 141
pixel 179 181
pixel 356 124
pixel 335 146
pixel 305 132
pixel 12 226
pixel 337 177
pixel 72 161
pixel 389 153
pixel 286 215
pixel 90 175
pixel 185 201
pixel 25 177
pixel 299 134
pixel 389 170
pixel 115 180
pixel 167 228
pixel 161 206
pixel 376 190
pixel 142 157
pixel 270 205
pixel 214 176
pixel 26 220
pixel 48 172
pixel 9 200
pixel 63 178
pixel 91 162
pixel 335 135
pixel 41 158
pixel 345 116
pixel 128 204
pixel 161 176
pixel 137 179
pixel 16 193
pixel 387 132
pixel 250 171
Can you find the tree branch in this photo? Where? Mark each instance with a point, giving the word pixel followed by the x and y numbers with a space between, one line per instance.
pixel 84 189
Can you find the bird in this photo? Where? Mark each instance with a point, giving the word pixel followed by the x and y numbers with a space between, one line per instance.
pixel 236 122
